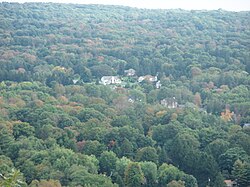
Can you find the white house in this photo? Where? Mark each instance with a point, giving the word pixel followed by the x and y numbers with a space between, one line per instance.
pixel 130 72
pixel 131 100
pixel 148 78
pixel 75 81
pixel 106 80
pixel 246 125
pixel 170 103
pixel 158 84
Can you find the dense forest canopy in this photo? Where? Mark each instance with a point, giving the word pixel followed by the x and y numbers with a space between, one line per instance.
pixel 94 95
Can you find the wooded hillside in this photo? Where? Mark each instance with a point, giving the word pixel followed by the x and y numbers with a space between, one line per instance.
pixel 94 95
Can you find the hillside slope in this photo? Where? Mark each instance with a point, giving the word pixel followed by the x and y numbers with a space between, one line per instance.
pixel 94 95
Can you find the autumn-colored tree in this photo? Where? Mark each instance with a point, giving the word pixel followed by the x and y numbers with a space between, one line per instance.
pixel 195 71
pixel 175 183
pixel 197 99
pixel 227 115
pixel 44 183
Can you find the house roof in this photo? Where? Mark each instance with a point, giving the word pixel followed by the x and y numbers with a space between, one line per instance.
pixel 148 78
pixel 109 77
pixel 129 70
pixel 246 125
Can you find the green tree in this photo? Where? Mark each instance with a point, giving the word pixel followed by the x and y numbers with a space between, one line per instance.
pixel 241 173
pixel 6 164
pixel 92 90
pixel 217 148
pixel 6 141
pixel 218 181
pixel 227 159
pixel 120 121
pixel 84 72
pixel 121 165
pixel 92 147
pixel 241 139
pixel 13 179
pixel 127 148
pixel 78 176
pixel 134 175
pixel 163 133
pixel 149 170
pixel 23 129
pixel 167 173
pixel 147 154
pixel 206 168
pixel 152 96
pixel 90 113
pixel 137 95
pixel 184 150
pixel 190 181
pixel 107 162
pixel 102 70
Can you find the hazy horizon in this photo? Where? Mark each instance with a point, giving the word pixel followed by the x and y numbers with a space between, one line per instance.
pixel 230 5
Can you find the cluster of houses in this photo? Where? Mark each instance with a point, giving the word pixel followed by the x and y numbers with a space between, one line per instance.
pixel 107 80
pixel 114 80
